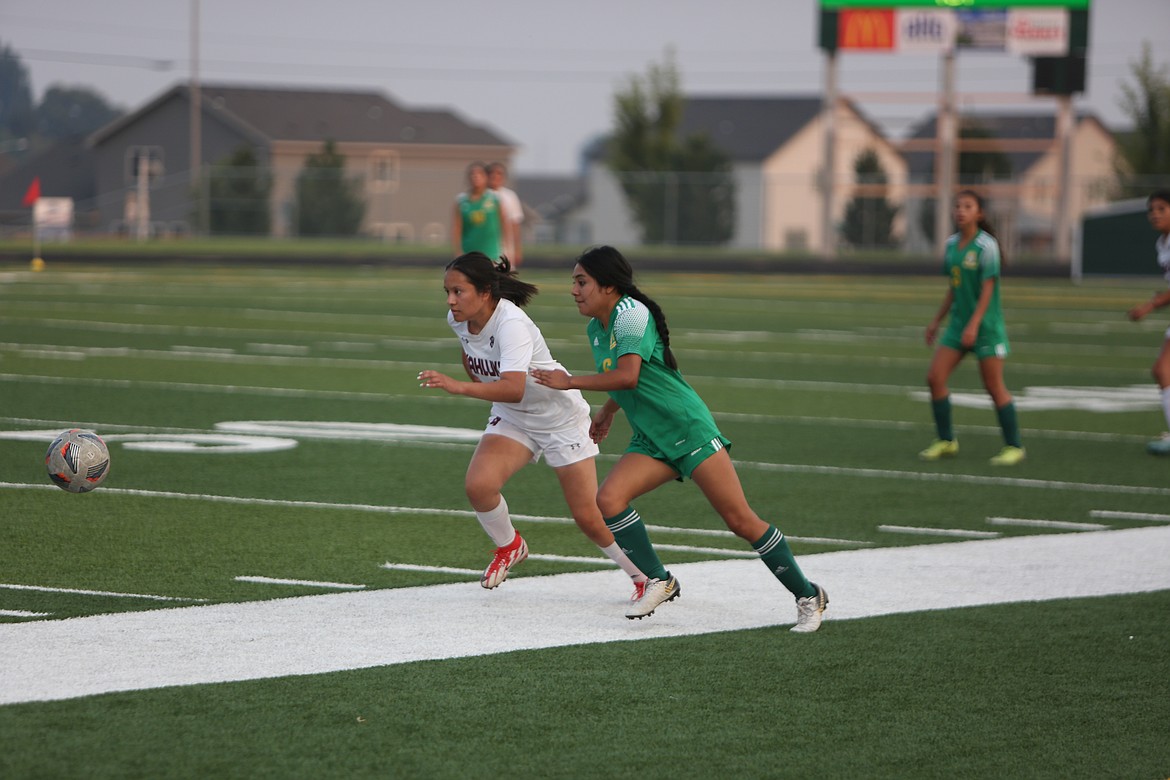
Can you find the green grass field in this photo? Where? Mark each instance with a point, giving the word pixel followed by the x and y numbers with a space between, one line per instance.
pixel 818 381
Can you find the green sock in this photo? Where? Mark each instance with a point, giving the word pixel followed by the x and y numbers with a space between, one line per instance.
pixel 1009 424
pixel 777 556
pixel 942 418
pixel 630 532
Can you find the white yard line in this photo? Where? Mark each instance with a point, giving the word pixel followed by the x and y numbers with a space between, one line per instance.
pixel 1064 525
pixel 109 593
pixel 961 533
pixel 64 659
pixel 1111 514
pixel 22 613
pixel 309 583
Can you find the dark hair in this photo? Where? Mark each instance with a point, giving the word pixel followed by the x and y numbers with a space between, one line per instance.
pixel 496 166
pixel 497 278
pixel 983 224
pixel 610 269
pixel 1162 195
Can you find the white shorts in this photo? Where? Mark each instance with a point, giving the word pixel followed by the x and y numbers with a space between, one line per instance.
pixel 562 447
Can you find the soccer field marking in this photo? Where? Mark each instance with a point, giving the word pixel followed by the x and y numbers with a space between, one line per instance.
pixel 1064 525
pixel 309 583
pixel 103 593
pixel 973 479
pixel 398 510
pixel 1112 514
pixel 961 533
pixel 592 560
pixel 903 425
pixel 20 613
pixel 436 569
pixel 722 552
pixel 56 660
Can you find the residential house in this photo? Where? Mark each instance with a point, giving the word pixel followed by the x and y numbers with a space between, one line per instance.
pixel 776 145
pixel 1022 181
pixel 411 162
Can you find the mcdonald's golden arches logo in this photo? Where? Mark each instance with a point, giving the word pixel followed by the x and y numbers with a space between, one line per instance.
pixel 866 30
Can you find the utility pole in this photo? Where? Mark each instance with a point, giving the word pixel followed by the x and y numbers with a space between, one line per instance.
pixel 196 117
pixel 944 160
pixel 828 183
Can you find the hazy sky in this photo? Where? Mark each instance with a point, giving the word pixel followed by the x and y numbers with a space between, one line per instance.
pixel 541 73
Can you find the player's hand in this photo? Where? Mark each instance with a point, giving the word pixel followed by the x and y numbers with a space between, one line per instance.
pixel 556 379
pixel 931 333
pixel 969 336
pixel 1140 311
pixel 430 378
pixel 599 427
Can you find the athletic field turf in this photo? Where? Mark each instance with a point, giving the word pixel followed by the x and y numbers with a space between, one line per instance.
pixel 279 577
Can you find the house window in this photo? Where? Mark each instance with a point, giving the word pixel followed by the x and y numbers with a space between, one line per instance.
pixel 384 172
pixel 135 156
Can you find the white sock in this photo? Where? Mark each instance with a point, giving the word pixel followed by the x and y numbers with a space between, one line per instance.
pixel 1166 405
pixel 498 524
pixel 614 551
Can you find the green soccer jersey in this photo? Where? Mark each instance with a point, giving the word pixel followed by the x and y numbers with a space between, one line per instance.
pixel 663 408
pixel 480 224
pixel 968 266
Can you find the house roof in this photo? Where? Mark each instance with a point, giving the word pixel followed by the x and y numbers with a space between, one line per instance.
pixel 549 196
pixel 749 127
pixel 287 114
pixel 1005 126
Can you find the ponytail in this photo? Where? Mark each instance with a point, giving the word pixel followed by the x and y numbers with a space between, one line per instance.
pixel 983 224
pixel 497 278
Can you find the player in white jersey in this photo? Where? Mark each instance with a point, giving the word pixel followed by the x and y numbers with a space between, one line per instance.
pixel 1158 210
pixel 500 345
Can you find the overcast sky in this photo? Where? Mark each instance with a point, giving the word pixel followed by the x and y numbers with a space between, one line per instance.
pixel 542 73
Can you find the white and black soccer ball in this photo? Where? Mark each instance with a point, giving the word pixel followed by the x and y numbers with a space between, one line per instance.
pixel 77 460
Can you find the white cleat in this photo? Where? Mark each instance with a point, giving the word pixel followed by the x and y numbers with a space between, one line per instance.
pixel 649 594
pixel 810 611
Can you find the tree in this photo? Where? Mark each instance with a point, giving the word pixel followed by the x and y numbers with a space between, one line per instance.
pixel 16 102
pixel 1146 151
pixel 328 204
pixel 680 189
pixel 66 112
pixel 240 188
pixel 869 219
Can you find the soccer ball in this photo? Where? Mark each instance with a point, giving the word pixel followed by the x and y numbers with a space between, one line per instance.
pixel 77 461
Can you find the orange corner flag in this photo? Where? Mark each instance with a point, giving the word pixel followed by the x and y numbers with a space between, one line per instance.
pixel 33 192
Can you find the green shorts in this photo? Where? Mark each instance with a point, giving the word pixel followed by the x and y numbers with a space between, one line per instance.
pixel 687 463
pixel 987 345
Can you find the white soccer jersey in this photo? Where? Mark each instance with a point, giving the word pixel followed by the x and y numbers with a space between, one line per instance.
pixel 511 342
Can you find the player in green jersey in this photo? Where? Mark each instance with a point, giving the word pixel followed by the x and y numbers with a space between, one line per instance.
pixel 478 224
pixel 675 436
pixel 972 266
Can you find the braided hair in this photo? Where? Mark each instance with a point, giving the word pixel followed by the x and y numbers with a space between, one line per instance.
pixel 611 269
pixel 497 278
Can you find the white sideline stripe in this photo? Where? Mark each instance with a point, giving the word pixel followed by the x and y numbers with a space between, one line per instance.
pixel 959 532
pixel 1066 525
pixel 437 569
pixel 399 510
pixel 310 583
pixel 80 592
pixel 22 613
pixel 722 552
pixel 1111 514
pixel 52 660
pixel 599 561
pixel 973 479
